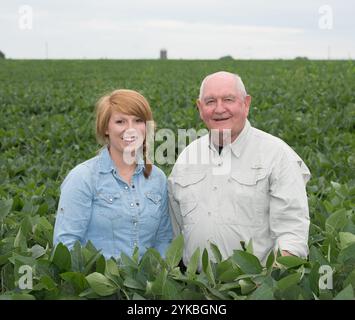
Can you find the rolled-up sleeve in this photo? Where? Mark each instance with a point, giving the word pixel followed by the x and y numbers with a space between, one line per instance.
pixel 289 213
pixel 74 208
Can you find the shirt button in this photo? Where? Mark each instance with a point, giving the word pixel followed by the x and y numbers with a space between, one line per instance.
pixel 137 203
pixel 133 186
pixel 214 188
pixel 220 164
pixel 209 213
pixel 132 204
pixel 111 200
pixel 126 187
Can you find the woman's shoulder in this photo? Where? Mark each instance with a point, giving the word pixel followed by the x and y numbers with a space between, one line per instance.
pixel 157 173
pixel 84 171
pixel 157 181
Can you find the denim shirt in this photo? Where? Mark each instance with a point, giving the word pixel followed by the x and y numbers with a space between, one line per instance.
pixel 97 205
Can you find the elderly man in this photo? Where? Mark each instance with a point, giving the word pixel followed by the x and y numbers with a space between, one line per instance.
pixel 238 183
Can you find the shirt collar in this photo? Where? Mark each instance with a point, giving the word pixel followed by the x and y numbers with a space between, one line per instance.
pixel 107 165
pixel 238 144
pixel 105 162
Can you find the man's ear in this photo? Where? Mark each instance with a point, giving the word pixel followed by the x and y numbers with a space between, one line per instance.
pixel 199 107
pixel 198 103
pixel 247 102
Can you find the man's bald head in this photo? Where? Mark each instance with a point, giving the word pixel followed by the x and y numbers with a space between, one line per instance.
pixel 224 75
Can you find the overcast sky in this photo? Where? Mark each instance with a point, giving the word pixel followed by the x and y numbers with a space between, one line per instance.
pixel 188 29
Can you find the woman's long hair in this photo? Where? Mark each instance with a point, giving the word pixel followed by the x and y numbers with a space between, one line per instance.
pixel 125 101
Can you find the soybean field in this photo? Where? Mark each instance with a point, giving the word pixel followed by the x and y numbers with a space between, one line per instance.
pixel 47 127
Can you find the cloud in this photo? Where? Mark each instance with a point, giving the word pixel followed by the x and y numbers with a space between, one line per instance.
pixel 188 29
pixel 172 25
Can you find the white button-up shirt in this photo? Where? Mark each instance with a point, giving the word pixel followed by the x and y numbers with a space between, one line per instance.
pixel 254 190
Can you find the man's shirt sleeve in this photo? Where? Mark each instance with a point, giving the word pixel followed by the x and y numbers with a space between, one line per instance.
pixel 174 208
pixel 289 213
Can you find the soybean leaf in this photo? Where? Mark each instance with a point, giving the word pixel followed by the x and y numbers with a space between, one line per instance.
pixel 316 256
pixel 246 286
pixel 135 255
pixel 132 283
pixel 174 252
pixel 17 296
pixel 171 291
pixel 347 255
pixel 159 283
pixel 264 292
pixel 89 265
pixel 37 251
pixel 77 258
pixel 291 261
pixel 193 264
pixel 346 294
pixel 216 253
pixel 61 257
pixel 346 238
pixel 100 284
pixel 137 296
pixel 247 262
pixel 249 247
pixel 270 260
pixel 336 221
pixel 228 286
pixel 5 207
pixel 206 267
pixel 227 271
pixel 112 267
pixel 100 264
pixel 77 279
pixel 288 281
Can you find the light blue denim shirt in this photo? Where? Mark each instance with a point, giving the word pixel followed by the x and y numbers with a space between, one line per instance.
pixel 97 205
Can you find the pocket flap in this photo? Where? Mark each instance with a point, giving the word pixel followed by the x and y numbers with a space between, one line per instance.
pixel 109 197
pixel 189 178
pixel 155 197
pixel 187 206
pixel 250 177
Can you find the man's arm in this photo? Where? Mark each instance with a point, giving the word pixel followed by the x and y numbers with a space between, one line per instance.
pixel 289 216
pixel 174 209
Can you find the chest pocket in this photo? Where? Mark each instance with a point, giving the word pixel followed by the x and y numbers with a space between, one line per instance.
pixel 153 204
pixel 186 188
pixel 250 197
pixel 187 185
pixel 109 205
